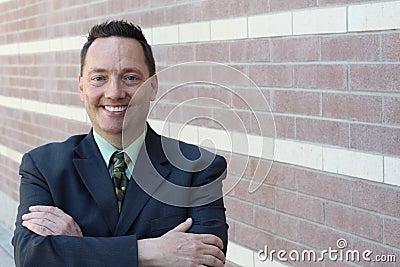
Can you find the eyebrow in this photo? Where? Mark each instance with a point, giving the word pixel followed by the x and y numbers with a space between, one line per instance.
pixel 125 70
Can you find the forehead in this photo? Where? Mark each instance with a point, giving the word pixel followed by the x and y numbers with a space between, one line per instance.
pixel 116 53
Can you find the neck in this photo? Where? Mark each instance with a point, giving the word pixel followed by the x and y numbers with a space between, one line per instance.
pixel 115 140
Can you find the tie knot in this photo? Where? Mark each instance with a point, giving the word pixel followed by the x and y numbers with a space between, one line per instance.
pixel 119 160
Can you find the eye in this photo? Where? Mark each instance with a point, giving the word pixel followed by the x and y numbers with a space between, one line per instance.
pixel 131 78
pixel 97 78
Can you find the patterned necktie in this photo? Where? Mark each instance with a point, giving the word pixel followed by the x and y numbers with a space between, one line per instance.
pixel 119 177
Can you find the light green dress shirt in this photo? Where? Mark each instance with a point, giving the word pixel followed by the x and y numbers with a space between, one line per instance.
pixel 132 151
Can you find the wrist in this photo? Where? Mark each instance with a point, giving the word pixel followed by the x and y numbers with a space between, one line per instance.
pixel 147 252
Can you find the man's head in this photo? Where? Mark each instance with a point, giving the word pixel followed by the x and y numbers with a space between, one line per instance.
pixel 119 28
pixel 116 63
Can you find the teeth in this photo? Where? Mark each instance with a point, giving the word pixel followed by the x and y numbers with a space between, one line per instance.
pixel 115 109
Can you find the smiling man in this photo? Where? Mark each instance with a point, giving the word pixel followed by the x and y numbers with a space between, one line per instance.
pixel 81 201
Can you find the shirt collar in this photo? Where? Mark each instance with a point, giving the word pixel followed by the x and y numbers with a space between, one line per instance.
pixel 132 151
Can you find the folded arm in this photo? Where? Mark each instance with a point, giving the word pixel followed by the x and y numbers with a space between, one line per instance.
pixel 46 234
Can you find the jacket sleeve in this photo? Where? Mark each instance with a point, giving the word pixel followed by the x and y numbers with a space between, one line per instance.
pixel 33 250
pixel 209 218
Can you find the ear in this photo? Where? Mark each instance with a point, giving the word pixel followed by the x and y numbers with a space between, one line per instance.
pixel 80 85
pixel 154 87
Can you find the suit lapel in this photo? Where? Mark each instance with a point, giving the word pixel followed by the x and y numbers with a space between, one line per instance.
pixel 148 175
pixel 94 174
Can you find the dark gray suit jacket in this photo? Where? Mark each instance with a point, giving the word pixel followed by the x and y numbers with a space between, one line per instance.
pixel 72 175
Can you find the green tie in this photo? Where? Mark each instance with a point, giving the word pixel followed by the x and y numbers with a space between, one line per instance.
pixel 119 177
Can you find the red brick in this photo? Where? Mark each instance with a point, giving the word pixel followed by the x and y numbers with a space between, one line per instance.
pixel 275 222
pixel 375 138
pixel 178 13
pixel 391 110
pixel 178 95
pixel 296 102
pixel 271 75
pixel 330 263
pixel 232 119
pixel 264 195
pixel 319 236
pixel 354 221
pixel 240 166
pixel 320 76
pixel 250 50
pixel 186 113
pixel 378 198
pixel 253 238
pixel 267 125
pixel 152 18
pixel 239 8
pixel 322 185
pixel 216 52
pixel 350 48
pixel 250 99
pixel 391 234
pixel 335 2
pixel 160 3
pixel 136 5
pixel 294 49
pixel 390 45
pixel 285 126
pixel 231 76
pixel 277 5
pixel 160 54
pixel 282 176
pixel 160 109
pixel 352 107
pixel 300 205
pixel 180 53
pixel 323 131
pixel 238 210
pixel 210 9
pixel 378 78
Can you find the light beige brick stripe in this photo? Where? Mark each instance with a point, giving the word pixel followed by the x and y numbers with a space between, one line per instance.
pixel 246 257
pixel 369 166
pixel 326 20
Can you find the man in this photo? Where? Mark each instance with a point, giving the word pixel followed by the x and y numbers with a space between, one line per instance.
pixel 83 205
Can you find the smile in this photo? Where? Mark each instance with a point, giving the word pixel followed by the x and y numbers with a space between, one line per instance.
pixel 116 109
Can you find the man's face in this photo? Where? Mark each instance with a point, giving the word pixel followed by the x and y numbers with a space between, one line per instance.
pixel 114 70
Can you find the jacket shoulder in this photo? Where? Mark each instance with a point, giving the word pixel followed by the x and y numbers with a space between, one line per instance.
pixel 57 149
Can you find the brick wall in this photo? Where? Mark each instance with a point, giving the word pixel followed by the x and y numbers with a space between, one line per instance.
pixel 327 71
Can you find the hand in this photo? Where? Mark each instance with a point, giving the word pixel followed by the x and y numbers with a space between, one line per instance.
pixel 178 248
pixel 49 220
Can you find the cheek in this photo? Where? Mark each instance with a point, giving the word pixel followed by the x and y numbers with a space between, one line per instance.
pixel 92 96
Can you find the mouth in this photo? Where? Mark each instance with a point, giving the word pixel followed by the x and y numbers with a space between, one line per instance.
pixel 116 109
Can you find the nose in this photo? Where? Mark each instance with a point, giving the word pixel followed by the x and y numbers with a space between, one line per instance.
pixel 115 89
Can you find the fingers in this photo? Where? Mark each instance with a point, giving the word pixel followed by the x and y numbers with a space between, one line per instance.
pixel 214 256
pixel 211 247
pixel 49 220
pixel 183 227
pixel 49 209
pixel 38 228
pixel 212 240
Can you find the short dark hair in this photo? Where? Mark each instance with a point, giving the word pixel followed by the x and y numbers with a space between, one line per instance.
pixel 119 28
